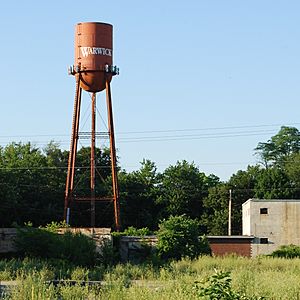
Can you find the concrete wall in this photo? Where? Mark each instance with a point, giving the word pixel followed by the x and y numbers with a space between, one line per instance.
pixel 132 248
pixel 7 236
pixel 279 226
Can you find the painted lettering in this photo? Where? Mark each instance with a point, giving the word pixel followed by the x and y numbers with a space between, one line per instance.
pixel 86 51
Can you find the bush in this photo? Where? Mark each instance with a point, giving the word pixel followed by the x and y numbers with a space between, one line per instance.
pixel 45 243
pixel 290 251
pixel 218 287
pixel 132 231
pixel 180 237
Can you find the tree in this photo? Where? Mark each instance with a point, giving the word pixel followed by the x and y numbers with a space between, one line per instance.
pixel 138 192
pixel 31 183
pixel 81 214
pixel 23 167
pixel 182 190
pixel 215 211
pixel 279 147
pixel 215 216
pixel 242 185
pixel 274 183
pixel 292 168
pixel 82 173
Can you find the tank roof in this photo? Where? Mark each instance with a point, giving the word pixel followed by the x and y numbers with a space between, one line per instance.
pixel 103 23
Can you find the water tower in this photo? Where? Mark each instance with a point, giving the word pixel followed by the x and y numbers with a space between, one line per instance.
pixel 93 71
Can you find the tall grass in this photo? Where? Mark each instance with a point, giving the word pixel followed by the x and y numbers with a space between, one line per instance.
pixel 273 278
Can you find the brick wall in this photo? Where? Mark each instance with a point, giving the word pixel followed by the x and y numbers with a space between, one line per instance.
pixel 226 245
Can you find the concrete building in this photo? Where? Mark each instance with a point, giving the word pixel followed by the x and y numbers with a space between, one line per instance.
pixel 272 223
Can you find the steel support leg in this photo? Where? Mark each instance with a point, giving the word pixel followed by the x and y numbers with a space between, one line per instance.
pixel 93 160
pixel 73 148
pixel 113 157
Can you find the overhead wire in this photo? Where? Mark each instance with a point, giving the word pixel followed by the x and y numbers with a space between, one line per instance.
pixel 182 137
pixel 175 137
pixel 161 131
pixel 208 128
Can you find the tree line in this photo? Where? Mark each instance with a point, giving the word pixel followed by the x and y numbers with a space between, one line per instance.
pixel 32 183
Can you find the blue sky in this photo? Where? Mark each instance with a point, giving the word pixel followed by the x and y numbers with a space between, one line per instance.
pixel 203 81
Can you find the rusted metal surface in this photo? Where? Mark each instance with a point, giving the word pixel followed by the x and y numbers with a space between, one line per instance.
pixel 93 71
pixel 93 52
pixel 88 198
pixel 73 148
pixel 113 156
pixel 70 197
pixel 93 160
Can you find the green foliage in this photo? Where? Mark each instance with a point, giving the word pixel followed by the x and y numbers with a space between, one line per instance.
pixel 280 146
pixel 183 188
pixel 243 185
pixel 113 252
pixel 215 206
pixel 138 193
pixel 274 183
pixel 80 214
pixel 287 251
pixel 33 182
pixel 33 287
pixel 50 268
pixel 132 231
pixel 45 243
pixel 218 287
pixel 55 226
pixel 292 169
pixel 32 185
pixel 273 278
pixel 179 237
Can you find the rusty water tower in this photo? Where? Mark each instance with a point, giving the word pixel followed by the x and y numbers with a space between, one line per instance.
pixel 93 71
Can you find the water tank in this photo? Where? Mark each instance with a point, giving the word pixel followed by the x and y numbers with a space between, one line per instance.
pixel 93 54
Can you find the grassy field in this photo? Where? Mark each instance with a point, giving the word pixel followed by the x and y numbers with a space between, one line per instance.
pixel 272 278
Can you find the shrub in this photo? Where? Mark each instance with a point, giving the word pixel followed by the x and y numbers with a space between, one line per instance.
pixel 132 231
pixel 55 226
pixel 179 237
pixel 287 251
pixel 46 243
pixel 35 242
pixel 109 254
pixel 218 287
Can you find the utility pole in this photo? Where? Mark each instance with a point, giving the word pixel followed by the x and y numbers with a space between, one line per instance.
pixel 229 212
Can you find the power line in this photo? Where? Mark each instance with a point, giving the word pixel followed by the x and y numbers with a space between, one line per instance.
pixel 185 137
pixel 208 128
pixel 194 137
pixel 160 131
pixel 50 168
